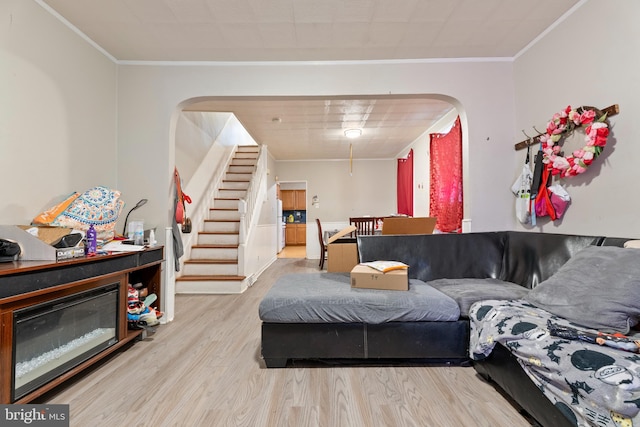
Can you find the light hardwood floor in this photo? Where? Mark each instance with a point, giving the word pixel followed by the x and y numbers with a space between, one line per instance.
pixel 293 252
pixel 204 369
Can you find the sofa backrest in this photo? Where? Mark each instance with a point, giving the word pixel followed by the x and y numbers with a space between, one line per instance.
pixel 437 256
pixel 525 258
pixel 530 258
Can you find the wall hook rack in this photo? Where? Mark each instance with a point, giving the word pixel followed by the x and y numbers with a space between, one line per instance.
pixel 611 110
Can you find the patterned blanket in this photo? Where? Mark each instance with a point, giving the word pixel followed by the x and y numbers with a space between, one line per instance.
pixel 592 384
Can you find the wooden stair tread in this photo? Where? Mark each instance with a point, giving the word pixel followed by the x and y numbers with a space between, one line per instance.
pixel 224 233
pixel 211 261
pixel 215 246
pixel 210 277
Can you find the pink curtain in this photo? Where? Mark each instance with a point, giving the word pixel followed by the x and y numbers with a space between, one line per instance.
pixel 446 179
pixel 405 185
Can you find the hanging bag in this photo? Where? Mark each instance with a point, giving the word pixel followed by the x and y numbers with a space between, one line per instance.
pixel 181 209
pixel 543 204
pixel 559 199
pixel 522 190
pixel 551 200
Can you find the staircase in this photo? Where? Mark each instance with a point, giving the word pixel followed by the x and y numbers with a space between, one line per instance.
pixel 213 265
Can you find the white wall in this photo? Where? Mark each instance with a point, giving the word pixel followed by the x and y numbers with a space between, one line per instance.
pixel 370 190
pixel 195 134
pixel 481 91
pixel 57 113
pixel 589 59
pixel 343 195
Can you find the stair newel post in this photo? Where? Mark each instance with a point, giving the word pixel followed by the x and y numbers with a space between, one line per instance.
pixel 242 209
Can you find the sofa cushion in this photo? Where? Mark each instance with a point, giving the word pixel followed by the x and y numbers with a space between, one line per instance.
pixel 599 288
pixel 467 291
pixel 329 298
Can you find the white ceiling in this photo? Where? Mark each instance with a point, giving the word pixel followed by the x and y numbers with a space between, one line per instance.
pixel 315 30
pixel 313 128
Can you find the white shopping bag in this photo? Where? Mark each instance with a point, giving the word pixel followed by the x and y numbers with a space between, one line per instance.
pixel 522 190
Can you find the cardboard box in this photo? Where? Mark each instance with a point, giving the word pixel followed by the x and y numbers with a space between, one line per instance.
pixel 363 276
pixel 342 256
pixel 406 225
pixel 36 246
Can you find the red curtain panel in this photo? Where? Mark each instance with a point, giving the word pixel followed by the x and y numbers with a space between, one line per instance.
pixel 405 185
pixel 446 179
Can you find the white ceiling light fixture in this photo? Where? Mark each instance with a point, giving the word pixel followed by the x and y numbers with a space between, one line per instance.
pixel 352 133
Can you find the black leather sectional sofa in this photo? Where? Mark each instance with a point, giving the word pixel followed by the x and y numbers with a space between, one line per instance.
pixel 522 258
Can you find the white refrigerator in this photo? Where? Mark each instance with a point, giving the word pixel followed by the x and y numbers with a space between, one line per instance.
pixel 280 226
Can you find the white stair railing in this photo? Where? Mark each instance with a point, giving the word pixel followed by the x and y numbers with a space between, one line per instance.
pixel 247 206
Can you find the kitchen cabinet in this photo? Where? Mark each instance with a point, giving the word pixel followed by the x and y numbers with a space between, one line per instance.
pixel 300 200
pixel 301 234
pixel 290 235
pixel 296 234
pixel 294 200
pixel 288 200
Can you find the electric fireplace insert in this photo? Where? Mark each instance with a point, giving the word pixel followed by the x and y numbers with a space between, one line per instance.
pixel 53 337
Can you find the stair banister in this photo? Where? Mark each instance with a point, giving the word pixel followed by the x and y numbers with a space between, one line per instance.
pixel 255 193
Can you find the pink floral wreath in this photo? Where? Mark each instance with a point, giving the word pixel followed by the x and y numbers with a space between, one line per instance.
pixel 563 124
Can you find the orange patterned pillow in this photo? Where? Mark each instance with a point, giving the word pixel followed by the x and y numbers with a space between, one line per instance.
pixel 50 215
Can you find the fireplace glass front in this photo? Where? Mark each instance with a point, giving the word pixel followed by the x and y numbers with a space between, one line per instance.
pixel 53 337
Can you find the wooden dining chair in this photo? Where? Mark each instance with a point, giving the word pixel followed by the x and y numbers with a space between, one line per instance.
pixel 323 247
pixel 364 225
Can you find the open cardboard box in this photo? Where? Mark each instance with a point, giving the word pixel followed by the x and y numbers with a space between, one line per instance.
pixel 363 276
pixel 408 225
pixel 35 242
pixel 342 256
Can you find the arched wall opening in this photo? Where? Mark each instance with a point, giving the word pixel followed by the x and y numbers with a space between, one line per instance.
pixel 242 107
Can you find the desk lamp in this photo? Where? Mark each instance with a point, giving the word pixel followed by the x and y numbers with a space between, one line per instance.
pixel 140 203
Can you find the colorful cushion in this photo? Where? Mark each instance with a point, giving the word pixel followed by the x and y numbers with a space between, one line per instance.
pixel 99 206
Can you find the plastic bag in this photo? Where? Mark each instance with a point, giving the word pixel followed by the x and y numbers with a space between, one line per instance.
pixel 523 181
pixel 551 201
pixel 523 208
pixel 522 190
pixel 559 199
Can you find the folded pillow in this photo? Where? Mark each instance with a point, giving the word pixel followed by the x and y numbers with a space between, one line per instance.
pixel 99 206
pixel 599 287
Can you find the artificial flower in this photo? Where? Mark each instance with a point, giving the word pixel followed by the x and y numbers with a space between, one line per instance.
pixel 564 123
